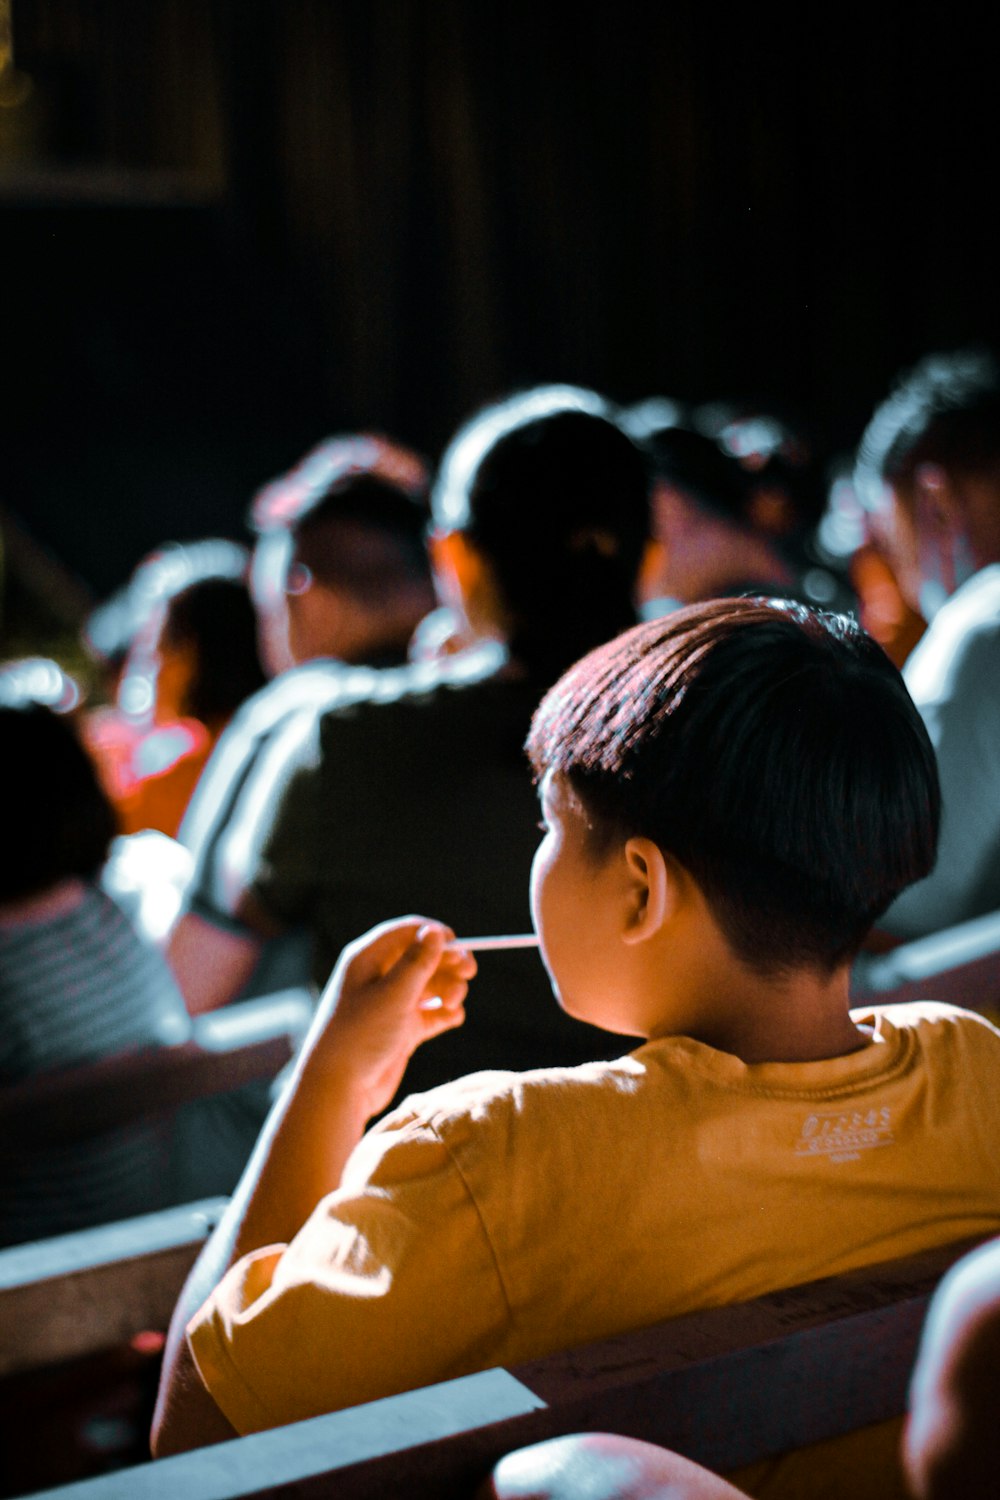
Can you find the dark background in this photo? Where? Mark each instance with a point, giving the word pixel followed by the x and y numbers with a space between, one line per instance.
pixel 230 227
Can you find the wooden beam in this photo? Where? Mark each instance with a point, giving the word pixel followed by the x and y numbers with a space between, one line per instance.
pixel 80 1293
pixel 727 1386
pixel 227 1049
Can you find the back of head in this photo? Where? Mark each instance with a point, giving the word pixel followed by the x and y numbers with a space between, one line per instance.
pixel 134 618
pixel 944 411
pixel 696 465
pixel 214 618
pixel 555 496
pixel 773 751
pixel 58 822
pixel 357 505
pixel 354 514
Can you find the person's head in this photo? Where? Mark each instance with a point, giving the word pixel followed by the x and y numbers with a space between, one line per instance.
pixel 726 509
pixel 767 753
pixel 341 566
pixel 205 652
pixel 929 466
pixel 58 822
pixel 132 623
pixel 541 510
pixel 951 1447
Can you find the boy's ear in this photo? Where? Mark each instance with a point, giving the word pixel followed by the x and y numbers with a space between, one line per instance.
pixel 651 890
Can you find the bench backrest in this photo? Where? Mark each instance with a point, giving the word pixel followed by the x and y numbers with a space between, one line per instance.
pixel 727 1387
pixel 79 1294
pixel 226 1050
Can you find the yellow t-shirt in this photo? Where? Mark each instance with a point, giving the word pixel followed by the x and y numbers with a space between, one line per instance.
pixel 508 1215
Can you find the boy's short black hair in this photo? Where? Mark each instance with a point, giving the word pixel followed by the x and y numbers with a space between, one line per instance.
pixel 773 750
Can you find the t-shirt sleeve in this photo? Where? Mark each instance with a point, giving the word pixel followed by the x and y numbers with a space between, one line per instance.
pixel 963 721
pixel 262 836
pixel 391 1284
pixel 279 855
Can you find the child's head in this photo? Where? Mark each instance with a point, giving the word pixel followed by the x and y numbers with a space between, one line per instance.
pixel 772 751
pixel 549 492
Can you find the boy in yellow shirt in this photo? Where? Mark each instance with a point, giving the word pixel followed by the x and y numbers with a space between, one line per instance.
pixel 731 795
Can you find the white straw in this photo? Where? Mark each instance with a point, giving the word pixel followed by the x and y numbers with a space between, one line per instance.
pixel 493 944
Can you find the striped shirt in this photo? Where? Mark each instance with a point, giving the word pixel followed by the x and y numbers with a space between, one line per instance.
pixel 77 986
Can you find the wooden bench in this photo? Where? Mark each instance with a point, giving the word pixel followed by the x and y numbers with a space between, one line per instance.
pixel 960 965
pixel 80 1294
pixel 727 1386
pixel 227 1048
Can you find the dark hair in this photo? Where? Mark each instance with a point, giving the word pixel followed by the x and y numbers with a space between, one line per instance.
pixel 555 494
pixel 215 616
pixel 773 750
pixel 946 410
pixel 753 473
pixel 58 821
pixel 357 506
pixel 111 629
pixel 698 466
pixel 366 535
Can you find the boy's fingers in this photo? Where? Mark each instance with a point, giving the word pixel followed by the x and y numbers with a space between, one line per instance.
pixel 378 951
pixel 421 956
pixel 460 961
pixel 449 989
pixel 444 1018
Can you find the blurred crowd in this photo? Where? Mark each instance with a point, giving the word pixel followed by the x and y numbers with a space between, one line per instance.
pixel 320 725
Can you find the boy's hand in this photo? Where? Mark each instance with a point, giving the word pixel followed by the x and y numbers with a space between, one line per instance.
pixel 392 989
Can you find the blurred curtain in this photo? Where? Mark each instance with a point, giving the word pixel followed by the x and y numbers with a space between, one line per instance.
pixel 440 198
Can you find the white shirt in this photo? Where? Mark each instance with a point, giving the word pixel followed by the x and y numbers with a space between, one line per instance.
pixel 954 678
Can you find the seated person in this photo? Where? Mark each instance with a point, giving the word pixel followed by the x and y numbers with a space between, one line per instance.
pixel 929 465
pixel 717 840
pixel 952 1443
pixel 340 579
pixel 409 791
pixel 192 660
pixel 76 982
pixel 601 1466
pixel 722 529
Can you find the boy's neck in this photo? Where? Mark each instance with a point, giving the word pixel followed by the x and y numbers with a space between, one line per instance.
pixel 801 1015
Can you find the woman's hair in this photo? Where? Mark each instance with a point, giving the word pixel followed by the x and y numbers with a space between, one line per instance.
pixel 773 751
pixel 554 494
pixel 58 820
pixel 215 617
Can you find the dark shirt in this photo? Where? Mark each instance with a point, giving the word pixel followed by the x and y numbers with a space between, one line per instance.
pixel 412 794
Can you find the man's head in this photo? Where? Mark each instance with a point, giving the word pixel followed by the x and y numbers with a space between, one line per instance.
pixel 341 567
pixel 928 468
pixel 772 752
